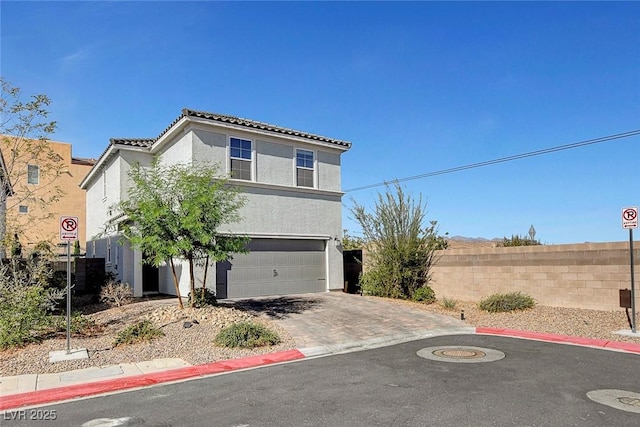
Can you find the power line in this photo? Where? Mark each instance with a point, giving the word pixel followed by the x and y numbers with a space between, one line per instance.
pixel 504 159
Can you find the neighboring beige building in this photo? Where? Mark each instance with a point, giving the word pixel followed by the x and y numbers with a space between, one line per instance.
pixel 38 177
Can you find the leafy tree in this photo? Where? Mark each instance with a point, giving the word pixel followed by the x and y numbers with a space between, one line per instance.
pixel 401 249
pixel 517 240
pixel 24 132
pixel 176 212
pixel 350 242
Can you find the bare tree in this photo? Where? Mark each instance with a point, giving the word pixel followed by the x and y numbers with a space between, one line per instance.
pixel 32 166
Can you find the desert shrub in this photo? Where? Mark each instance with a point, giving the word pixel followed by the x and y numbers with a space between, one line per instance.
pixel 498 303
pixel 448 303
pixel 116 294
pixel 371 283
pixel 138 332
pixel 517 240
pixel 203 297
pixel 80 324
pixel 246 335
pixel 401 250
pixel 424 294
pixel 25 301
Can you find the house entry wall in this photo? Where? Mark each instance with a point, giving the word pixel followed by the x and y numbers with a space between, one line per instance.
pixel 274 267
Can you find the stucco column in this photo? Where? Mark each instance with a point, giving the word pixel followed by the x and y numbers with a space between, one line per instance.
pixel 137 273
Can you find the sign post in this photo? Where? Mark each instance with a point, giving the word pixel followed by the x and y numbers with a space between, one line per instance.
pixel 630 221
pixel 69 233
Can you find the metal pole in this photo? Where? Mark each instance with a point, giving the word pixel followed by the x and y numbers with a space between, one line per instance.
pixel 633 290
pixel 68 296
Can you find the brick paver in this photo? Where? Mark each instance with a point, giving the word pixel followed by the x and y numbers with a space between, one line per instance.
pixel 336 318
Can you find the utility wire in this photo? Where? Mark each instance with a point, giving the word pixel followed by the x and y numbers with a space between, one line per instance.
pixel 503 159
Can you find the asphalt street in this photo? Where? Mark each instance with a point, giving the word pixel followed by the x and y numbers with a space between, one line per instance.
pixel 534 384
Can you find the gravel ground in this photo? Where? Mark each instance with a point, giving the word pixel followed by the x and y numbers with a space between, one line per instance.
pixel 194 344
pixel 556 320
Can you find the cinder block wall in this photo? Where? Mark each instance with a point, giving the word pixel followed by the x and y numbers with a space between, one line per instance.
pixel 585 275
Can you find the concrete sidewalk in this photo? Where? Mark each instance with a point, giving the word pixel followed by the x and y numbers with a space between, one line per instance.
pixel 27 383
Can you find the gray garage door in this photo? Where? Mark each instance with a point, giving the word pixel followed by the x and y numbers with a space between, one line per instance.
pixel 274 267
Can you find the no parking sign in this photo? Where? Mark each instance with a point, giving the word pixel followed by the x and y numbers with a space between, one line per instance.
pixel 630 217
pixel 68 228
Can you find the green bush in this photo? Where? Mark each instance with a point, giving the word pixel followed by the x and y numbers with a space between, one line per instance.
pixel 25 301
pixel 448 303
pixel 203 298
pixel 424 294
pixel 512 301
pixel 138 332
pixel 246 335
pixel 371 283
pixel 517 240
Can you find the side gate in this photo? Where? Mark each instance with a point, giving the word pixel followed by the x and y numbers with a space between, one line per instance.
pixel 352 261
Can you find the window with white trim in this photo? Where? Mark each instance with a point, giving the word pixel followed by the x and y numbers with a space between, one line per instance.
pixel 23 209
pixel 33 174
pixel 240 153
pixel 304 168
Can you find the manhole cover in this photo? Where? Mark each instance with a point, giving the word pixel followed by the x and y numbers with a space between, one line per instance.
pixel 462 354
pixel 620 399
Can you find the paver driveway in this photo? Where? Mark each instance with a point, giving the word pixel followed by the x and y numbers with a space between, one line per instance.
pixel 336 320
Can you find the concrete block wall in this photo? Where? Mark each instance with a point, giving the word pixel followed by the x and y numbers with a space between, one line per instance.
pixel 587 275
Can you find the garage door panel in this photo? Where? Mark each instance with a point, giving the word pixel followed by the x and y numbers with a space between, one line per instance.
pixel 299 267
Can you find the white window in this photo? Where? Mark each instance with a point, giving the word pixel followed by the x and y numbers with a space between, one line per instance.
pixel 304 168
pixel 33 174
pixel 240 154
pixel 23 209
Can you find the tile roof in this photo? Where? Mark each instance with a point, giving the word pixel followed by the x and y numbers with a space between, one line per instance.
pixel 133 142
pixel 83 161
pixel 148 142
pixel 257 125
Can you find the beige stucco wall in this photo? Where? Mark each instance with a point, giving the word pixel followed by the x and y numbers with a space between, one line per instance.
pixel 71 202
pixel 580 275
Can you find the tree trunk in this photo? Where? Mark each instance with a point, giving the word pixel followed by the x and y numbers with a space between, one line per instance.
pixel 192 283
pixel 175 282
pixel 206 270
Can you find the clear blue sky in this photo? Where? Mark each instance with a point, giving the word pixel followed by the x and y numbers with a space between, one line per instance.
pixel 416 87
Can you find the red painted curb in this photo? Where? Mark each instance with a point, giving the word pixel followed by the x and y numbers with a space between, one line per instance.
pixel 542 336
pixel 40 397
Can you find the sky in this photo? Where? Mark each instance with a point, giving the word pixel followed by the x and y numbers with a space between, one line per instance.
pixel 416 87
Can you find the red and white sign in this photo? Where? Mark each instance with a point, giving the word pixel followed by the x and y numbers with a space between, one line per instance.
pixel 630 217
pixel 68 228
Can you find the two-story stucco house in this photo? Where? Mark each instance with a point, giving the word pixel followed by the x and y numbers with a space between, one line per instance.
pixel 291 181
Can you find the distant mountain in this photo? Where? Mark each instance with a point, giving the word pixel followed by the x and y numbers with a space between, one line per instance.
pixel 462 242
pixel 474 239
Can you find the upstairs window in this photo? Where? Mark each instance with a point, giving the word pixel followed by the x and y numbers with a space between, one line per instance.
pixel 304 168
pixel 33 174
pixel 240 158
pixel 23 209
